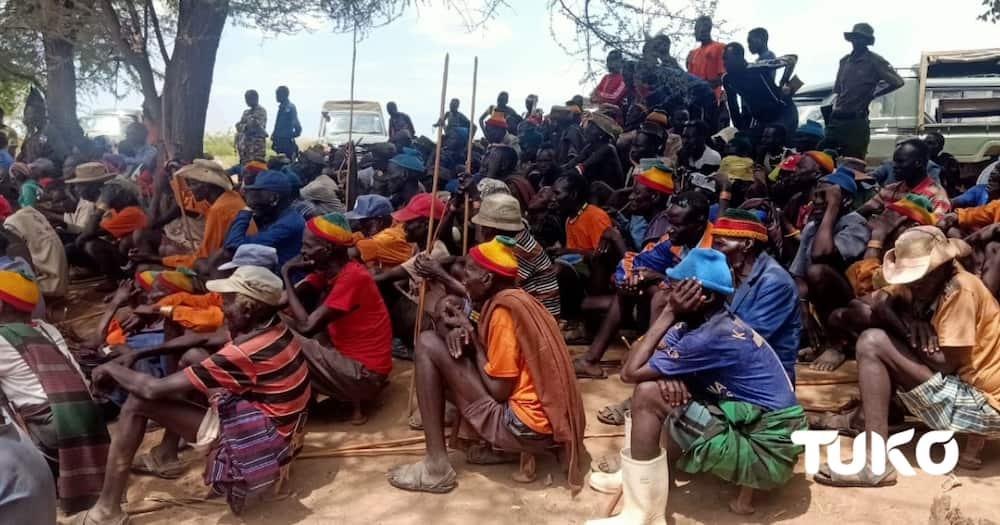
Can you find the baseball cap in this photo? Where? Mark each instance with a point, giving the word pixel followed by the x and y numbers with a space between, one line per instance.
pixel 253 255
pixel 420 206
pixel 254 282
pixel 369 207
pixel 271 180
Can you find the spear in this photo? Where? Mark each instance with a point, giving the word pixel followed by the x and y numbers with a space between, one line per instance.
pixel 468 157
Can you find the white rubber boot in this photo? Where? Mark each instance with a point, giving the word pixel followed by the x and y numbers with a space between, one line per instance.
pixel 645 486
pixel 611 482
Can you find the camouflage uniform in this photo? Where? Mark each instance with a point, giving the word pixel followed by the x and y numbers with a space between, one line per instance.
pixel 251 134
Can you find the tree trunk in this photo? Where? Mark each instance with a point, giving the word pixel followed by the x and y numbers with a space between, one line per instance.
pixel 64 129
pixel 188 78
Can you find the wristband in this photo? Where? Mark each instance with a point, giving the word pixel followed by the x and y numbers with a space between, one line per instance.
pixel 793 233
pixel 166 311
pixel 875 245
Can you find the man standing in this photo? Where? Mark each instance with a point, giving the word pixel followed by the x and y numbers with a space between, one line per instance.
pixel 863 76
pixel 757 44
pixel 510 114
pixel 12 141
pixel 286 126
pixel 705 62
pixel 251 129
pixel 399 121
pixel 611 89
pixel 453 119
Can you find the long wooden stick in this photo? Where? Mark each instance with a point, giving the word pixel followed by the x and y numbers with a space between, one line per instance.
pixel 430 230
pixel 468 156
pixel 350 121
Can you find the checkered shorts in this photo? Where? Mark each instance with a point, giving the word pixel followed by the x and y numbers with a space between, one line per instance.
pixel 948 403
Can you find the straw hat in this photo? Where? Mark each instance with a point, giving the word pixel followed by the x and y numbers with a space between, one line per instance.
pixel 918 252
pixel 90 172
pixel 207 171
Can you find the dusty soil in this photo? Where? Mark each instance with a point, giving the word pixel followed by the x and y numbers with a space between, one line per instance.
pixel 354 491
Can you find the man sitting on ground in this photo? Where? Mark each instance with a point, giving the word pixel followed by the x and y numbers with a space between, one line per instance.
pixel 833 238
pixel 510 378
pixel 382 244
pixel 257 386
pixel 937 346
pixel 41 381
pixel 639 274
pixel 208 182
pixel 727 403
pixel 354 364
pixel 766 297
pixel 278 224
pixel 910 169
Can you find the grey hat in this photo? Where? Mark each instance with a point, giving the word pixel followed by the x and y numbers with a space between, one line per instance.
pixel 370 207
pixel 253 255
pixel 861 31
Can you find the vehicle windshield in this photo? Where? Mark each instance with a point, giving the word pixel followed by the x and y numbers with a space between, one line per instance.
pixel 111 125
pixel 364 123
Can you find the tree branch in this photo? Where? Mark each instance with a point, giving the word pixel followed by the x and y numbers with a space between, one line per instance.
pixel 159 34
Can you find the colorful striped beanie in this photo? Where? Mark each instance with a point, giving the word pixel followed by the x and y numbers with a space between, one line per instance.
pixel 145 279
pixel 659 177
pixel 735 222
pixel 824 160
pixel 175 281
pixel 916 207
pixel 18 291
pixel 332 227
pixel 496 256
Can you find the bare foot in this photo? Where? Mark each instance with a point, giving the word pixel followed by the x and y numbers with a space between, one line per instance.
pixel 829 360
pixel 587 370
pixel 743 502
pixel 969 458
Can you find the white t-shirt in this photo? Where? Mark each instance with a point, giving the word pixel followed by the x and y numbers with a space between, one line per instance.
pixel 709 158
pixel 76 221
pixel 17 380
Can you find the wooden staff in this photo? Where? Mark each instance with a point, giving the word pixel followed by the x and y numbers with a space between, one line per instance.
pixel 468 157
pixel 430 231
pixel 350 122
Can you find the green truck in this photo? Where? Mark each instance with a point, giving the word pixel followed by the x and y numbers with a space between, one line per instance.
pixel 956 93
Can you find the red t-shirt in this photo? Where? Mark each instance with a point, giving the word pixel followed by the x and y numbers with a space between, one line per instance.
pixel 364 332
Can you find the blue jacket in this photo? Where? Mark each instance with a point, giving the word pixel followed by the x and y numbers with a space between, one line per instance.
pixel 284 234
pixel 973 197
pixel 286 123
pixel 768 301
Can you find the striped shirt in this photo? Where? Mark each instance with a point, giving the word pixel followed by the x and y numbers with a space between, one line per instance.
pixel 266 369
pixel 535 272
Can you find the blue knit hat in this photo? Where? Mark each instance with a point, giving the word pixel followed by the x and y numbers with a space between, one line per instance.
pixel 811 127
pixel 708 266
pixel 844 178
pixel 410 162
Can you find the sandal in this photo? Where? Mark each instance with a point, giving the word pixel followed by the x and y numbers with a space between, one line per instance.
pixel 148 465
pixel 864 479
pixel 84 518
pixel 585 370
pixel 414 477
pixel 485 454
pixel 839 421
pixel 614 414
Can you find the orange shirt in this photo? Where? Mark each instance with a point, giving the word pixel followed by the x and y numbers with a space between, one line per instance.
pixel 584 231
pixel 122 223
pixel 504 360
pixel 705 62
pixel 217 221
pixel 181 191
pixel 198 312
pixel 979 216
pixel 387 248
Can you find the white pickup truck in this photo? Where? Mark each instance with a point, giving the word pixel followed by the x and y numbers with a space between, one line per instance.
pixel 369 127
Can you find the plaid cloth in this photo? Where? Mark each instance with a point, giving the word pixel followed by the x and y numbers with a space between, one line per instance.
pixel 82 437
pixel 948 403
pixel 249 454
pixel 738 442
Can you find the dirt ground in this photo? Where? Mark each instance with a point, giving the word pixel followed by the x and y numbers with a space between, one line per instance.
pixel 354 490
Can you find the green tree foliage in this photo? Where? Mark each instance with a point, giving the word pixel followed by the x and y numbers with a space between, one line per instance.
pixel 992 13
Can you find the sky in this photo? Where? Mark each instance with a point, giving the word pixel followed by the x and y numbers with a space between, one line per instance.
pixel 403 62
